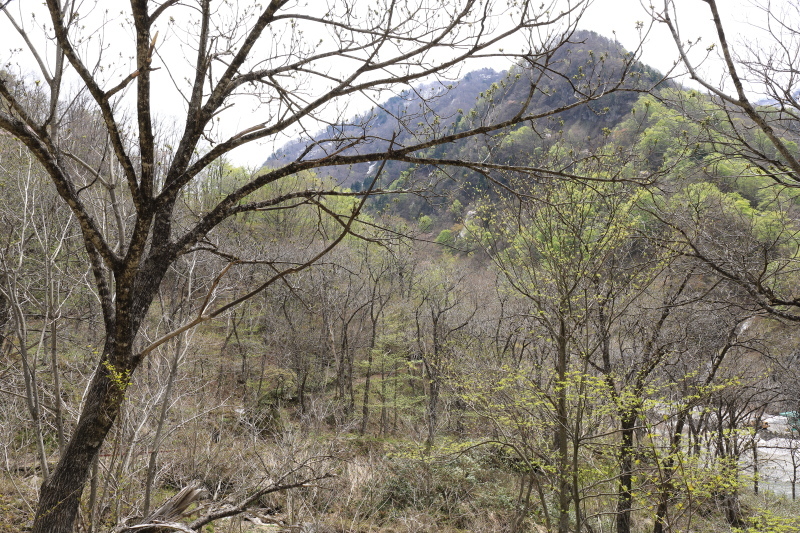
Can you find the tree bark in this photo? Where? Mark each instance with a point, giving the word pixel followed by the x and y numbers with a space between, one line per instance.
pixel 61 493
pixel 667 488
pixel 561 437
pixel 624 496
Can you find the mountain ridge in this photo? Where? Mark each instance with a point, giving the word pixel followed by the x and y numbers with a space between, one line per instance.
pixel 436 107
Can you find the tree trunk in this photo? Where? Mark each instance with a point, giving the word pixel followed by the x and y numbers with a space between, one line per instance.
pixel 61 493
pixel 56 386
pixel 755 465
pixel 433 404
pixel 93 496
pixel 667 488
pixel 728 495
pixel 561 436
pixel 365 406
pixel 624 496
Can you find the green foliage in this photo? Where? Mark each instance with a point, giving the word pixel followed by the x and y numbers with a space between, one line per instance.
pixel 456 209
pixel 445 238
pixel 708 207
pixel 767 522
pixel 425 223
pixel 570 233
pixel 665 138
pixel 120 378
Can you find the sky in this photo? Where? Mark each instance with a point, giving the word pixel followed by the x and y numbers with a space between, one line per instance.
pixel 611 18
pixel 619 18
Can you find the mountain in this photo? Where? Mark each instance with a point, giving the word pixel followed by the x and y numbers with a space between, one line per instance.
pixel 380 123
pixel 437 107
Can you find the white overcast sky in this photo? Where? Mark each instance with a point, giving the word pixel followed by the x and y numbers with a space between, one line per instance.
pixel 608 17
pixel 619 17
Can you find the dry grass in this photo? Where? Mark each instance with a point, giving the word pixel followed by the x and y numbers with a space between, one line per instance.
pixel 16 498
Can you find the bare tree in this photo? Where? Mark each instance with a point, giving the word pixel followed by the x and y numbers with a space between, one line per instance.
pixel 766 68
pixel 753 118
pixel 443 312
pixel 129 170
pixel 35 283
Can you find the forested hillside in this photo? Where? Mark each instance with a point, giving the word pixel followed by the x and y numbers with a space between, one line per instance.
pixel 557 298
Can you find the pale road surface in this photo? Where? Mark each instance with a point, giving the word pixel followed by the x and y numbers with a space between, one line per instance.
pixel 775 464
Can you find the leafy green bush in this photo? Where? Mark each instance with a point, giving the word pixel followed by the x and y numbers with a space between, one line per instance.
pixel 445 238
